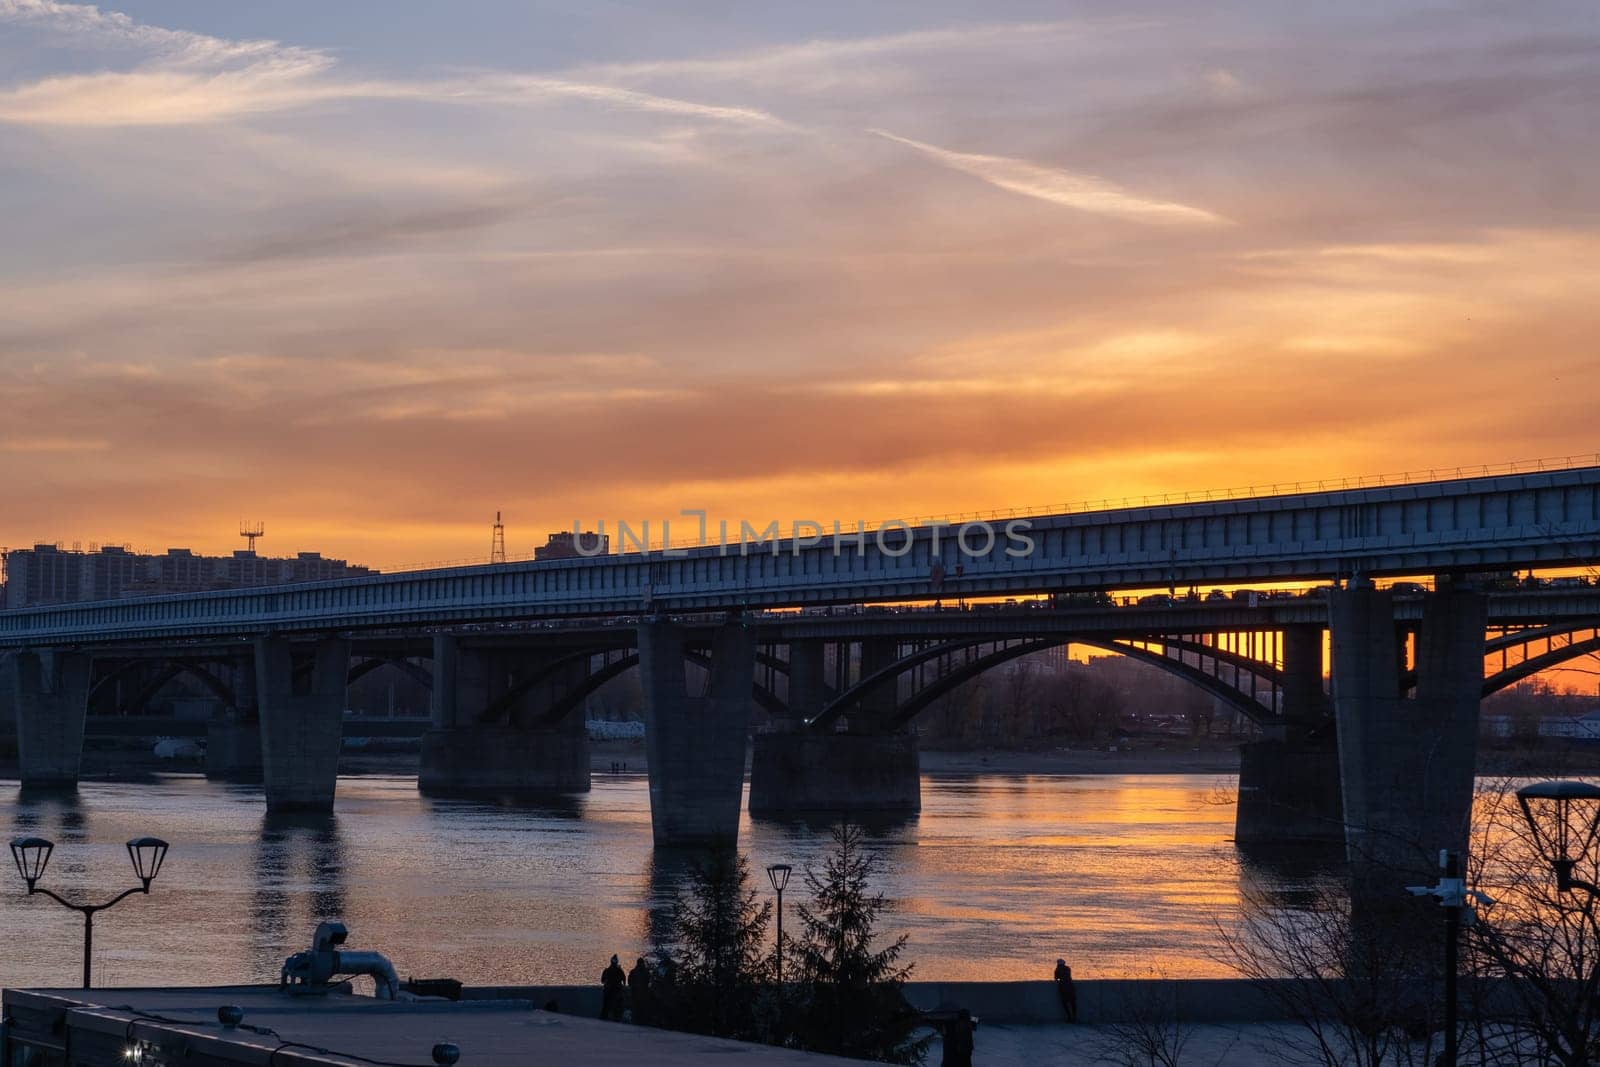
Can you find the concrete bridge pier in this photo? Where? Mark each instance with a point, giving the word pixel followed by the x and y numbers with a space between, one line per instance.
pixel 808 684
pixel 695 742
pixel 839 774
pixel 867 771
pixel 1406 763
pixel 878 703
pixel 498 728
pixel 301 692
pixel 233 741
pixel 1289 780
pixel 51 695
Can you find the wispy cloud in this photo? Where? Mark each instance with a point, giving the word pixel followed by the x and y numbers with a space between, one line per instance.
pixel 189 78
pixel 87 23
pixel 1082 192
pixel 52 444
pixel 512 89
pixel 660 260
pixel 787 62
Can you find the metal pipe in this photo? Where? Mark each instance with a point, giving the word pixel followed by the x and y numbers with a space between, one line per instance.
pixel 385 978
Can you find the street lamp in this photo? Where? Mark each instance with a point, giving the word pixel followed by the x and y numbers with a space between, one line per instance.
pixel 1565 820
pixel 778 874
pixel 32 855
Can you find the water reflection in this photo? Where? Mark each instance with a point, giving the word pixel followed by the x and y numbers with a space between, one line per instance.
pixel 668 871
pixel 1292 861
pixel 54 813
pixel 996 878
pixel 1291 876
pixel 807 825
pixel 301 879
pixel 540 804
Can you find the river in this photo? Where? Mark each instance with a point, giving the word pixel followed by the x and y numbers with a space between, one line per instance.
pixel 1123 875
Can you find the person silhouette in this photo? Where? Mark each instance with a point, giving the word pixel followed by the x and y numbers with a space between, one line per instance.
pixel 639 991
pixel 612 982
pixel 958 1041
pixel 1065 991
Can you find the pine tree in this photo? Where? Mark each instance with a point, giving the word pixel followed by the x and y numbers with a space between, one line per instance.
pixel 849 999
pixel 719 950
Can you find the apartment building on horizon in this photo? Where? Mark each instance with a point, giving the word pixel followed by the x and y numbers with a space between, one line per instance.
pixel 49 574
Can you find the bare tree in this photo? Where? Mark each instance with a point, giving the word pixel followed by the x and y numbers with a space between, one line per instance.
pixel 1538 945
pixel 1016 716
pixel 1364 982
pixel 1082 708
pixel 1150 1031
pixel 1358 983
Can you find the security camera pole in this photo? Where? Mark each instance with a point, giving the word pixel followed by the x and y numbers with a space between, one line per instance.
pixel 1452 893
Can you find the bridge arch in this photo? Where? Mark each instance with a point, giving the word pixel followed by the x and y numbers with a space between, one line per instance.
pixel 171 669
pixel 421 675
pixel 1531 665
pixel 1136 649
pixel 570 700
pixel 920 700
pixel 503 704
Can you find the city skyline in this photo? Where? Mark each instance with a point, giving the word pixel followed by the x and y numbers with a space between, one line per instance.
pixel 375 279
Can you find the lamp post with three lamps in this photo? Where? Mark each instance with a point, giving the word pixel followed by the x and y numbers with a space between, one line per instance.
pixel 32 855
pixel 778 874
pixel 1563 819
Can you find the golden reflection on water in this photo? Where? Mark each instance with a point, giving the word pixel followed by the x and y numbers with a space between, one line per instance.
pixel 1118 874
pixel 997 877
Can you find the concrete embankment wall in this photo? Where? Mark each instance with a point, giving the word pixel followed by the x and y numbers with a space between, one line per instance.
pixel 1203 1000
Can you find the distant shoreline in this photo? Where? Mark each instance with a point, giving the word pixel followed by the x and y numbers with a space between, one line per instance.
pixel 628 757
pixel 1081 762
pixel 966 763
pixel 1214 759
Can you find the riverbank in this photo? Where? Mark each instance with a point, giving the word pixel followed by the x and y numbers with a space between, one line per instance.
pixel 629 757
pixel 1083 761
pixel 1141 756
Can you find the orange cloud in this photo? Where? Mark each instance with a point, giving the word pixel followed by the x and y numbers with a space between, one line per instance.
pixel 375 304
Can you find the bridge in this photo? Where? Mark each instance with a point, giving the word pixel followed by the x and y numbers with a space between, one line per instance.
pixel 836 636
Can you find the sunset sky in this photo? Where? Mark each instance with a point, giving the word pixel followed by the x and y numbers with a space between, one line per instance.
pixel 371 272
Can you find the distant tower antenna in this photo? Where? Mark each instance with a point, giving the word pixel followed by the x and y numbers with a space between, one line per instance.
pixel 251 531
pixel 497 546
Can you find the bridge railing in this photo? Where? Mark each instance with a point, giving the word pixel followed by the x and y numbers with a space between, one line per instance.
pixel 1148 500
pixel 1310 536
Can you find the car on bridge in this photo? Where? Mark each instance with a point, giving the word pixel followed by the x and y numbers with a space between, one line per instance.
pixel 1098 598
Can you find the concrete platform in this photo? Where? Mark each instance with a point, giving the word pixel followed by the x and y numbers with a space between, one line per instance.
pixel 180 1025
pixel 1209 1001
pixel 1240 1045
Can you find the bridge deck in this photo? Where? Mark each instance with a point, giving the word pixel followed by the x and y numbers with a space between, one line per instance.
pixel 1524 520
